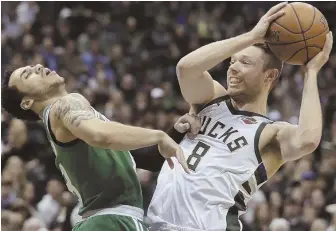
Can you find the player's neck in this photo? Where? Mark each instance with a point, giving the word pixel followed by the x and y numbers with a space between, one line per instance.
pixel 39 106
pixel 257 105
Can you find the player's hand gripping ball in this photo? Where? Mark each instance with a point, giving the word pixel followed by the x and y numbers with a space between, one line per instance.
pixel 298 35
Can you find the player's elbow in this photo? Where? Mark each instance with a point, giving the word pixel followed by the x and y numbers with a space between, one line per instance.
pixel 310 145
pixel 304 146
pixel 183 67
pixel 307 147
pixel 98 139
pixel 310 139
pixel 108 140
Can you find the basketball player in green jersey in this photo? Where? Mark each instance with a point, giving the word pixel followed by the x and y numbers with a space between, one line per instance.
pixel 91 152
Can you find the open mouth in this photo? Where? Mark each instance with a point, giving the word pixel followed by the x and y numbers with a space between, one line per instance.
pixel 234 80
pixel 48 72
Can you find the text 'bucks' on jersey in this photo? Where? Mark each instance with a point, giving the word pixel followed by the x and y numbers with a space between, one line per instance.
pixel 227 167
pixel 100 178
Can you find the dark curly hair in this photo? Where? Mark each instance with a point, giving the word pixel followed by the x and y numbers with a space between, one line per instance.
pixel 11 99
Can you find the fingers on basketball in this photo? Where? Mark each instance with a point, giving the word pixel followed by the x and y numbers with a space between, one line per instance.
pixel 276 8
pixel 324 54
pixel 275 16
pixel 328 44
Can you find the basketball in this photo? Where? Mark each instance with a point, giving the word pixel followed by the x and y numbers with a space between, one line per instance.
pixel 299 35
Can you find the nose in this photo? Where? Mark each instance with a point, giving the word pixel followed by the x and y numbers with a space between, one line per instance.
pixel 233 68
pixel 38 68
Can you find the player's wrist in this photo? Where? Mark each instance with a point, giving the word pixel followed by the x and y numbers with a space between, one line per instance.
pixel 310 75
pixel 310 72
pixel 254 37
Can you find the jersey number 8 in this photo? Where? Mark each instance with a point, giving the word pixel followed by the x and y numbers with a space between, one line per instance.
pixel 199 151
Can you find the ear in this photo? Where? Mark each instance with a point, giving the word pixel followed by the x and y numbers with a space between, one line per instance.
pixel 271 75
pixel 26 104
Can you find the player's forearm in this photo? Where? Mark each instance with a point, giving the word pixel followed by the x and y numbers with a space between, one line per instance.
pixel 122 137
pixel 310 120
pixel 149 158
pixel 208 56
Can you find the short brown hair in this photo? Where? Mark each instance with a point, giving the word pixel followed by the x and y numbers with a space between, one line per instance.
pixel 273 61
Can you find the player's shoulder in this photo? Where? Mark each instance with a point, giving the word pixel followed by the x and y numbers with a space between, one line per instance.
pixel 272 130
pixel 70 102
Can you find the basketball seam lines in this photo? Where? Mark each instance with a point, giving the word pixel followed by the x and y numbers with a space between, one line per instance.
pixel 288 43
pixel 294 54
pixel 312 21
pixel 301 31
pixel 301 50
pixel 287 28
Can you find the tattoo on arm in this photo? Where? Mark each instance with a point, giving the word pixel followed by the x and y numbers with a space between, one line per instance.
pixel 73 109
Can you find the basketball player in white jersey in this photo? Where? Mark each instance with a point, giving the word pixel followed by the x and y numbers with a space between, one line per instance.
pixel 238 148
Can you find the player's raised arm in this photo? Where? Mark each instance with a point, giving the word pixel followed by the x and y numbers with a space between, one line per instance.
pixel 297 141
pixel 196 83
pixel 78 117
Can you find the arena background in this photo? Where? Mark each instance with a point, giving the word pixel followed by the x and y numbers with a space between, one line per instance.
pixel 122 57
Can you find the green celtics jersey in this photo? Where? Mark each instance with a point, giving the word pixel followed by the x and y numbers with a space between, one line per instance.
pixel 100 178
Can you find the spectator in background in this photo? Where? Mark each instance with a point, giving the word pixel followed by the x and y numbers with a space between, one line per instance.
pixel 71 61
pixel 8 194
pixel 48 53
pixel 292 213
pixel 319 225
pixel 276 204
pixel 26 12
pixel 28 46
pixel 93 57
pixel 279 224
pixel 17 142
pixel 51 204
pixel 33 224
pixel 11 221
pixel 13 29
pixel 16 171
pixel 29 196
pixel 332 210
pixel 6 51
pixel 262 217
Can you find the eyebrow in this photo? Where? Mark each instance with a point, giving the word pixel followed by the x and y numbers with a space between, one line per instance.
pixel 246 56
pixel 24 71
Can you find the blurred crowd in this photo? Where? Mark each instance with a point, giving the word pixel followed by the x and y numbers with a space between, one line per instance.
pixel 122 57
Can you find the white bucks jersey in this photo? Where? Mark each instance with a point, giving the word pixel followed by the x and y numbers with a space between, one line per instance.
pixel 227 170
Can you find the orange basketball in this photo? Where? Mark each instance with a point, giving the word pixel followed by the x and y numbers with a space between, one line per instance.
pixel 299 35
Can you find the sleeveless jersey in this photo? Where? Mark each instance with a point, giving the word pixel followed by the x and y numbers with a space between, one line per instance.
pixel 227 170
pixel 100 178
